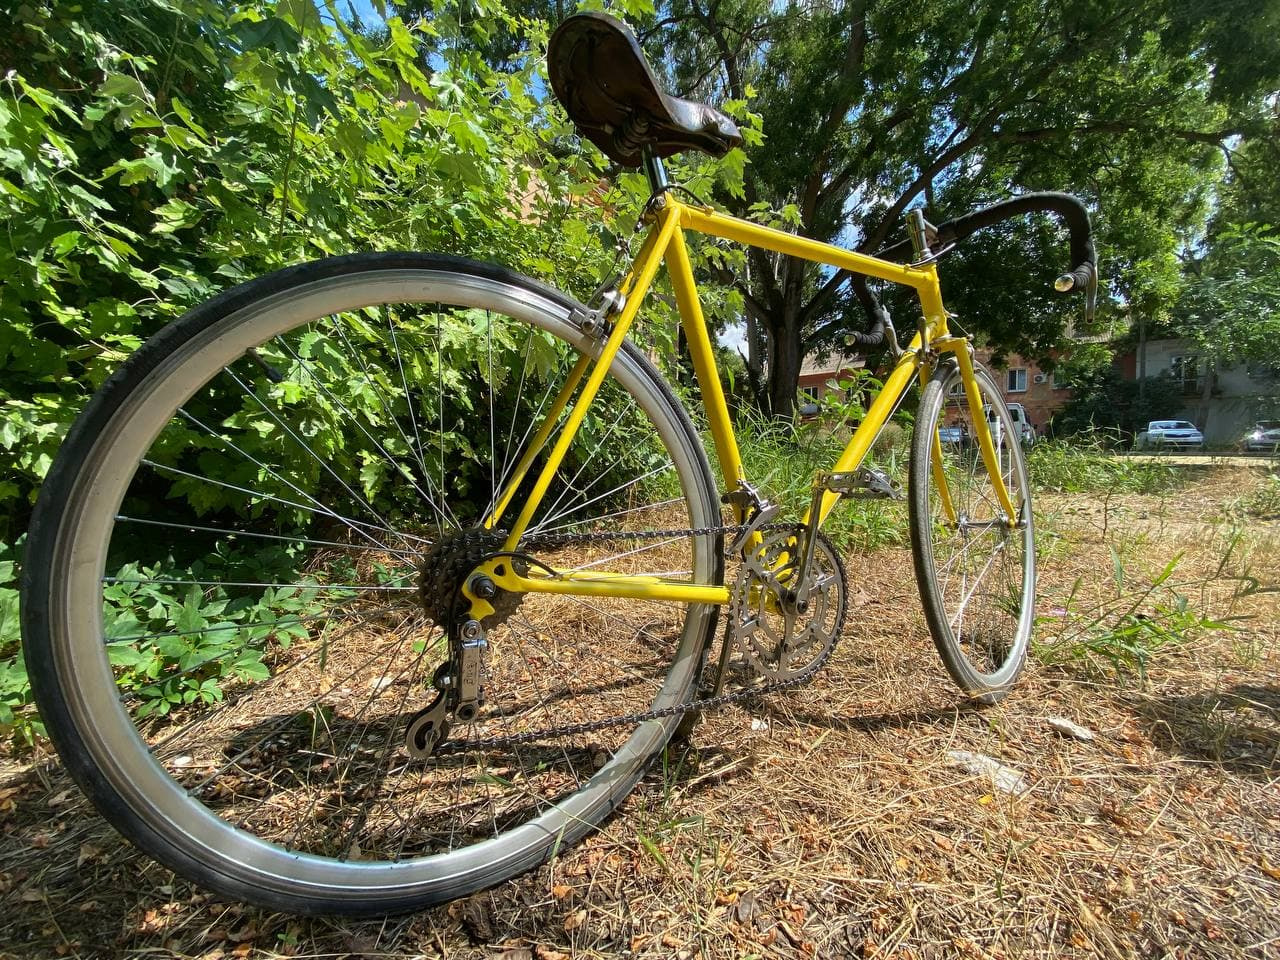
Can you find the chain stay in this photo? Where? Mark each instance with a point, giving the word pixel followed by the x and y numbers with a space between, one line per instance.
pixel 656 713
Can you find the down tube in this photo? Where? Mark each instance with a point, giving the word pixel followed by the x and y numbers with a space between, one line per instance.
pixel 883 407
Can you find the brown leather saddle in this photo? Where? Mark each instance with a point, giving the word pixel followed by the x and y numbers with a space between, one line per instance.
pixel 600 75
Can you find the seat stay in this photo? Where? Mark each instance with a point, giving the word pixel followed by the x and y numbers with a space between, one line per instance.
pixel 641 277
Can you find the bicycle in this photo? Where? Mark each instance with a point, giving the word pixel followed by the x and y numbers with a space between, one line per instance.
pixel 336 599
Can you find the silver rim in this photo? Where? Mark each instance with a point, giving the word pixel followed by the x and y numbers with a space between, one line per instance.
pixel 982 572
pixel 160 766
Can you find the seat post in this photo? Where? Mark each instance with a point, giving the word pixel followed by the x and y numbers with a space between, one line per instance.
pixel 654 170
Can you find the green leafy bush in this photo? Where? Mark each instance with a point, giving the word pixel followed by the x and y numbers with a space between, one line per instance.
pixel 152 153
pixel 155 152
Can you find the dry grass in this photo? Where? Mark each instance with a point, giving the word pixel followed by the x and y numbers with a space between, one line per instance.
pixel 830 822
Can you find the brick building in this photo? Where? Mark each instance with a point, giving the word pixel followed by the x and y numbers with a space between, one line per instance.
pixel 816 374
pixel 1022 381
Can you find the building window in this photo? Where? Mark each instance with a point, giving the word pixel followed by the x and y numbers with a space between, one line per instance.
pixel 1184 372
pixel 1016 380
pixel 1059 379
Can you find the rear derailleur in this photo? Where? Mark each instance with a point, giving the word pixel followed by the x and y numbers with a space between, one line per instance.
pixel 459 693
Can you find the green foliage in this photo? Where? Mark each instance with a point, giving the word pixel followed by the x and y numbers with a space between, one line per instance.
pixel 1085 466
pixel 1119 634
pixel 1232 308
pixel 152 153
pixel 155 152
pixel 1106 406
pixel 783 457
pixel 15 692
pixel 172 652
pixel 171 649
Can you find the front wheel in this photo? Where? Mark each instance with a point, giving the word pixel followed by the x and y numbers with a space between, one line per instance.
pixel 237 566
pixel 975 570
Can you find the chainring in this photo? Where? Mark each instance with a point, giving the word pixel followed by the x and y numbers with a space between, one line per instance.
pixel 772 638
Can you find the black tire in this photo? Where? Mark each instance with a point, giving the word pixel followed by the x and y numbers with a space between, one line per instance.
pixel 976 575
pixel 251 795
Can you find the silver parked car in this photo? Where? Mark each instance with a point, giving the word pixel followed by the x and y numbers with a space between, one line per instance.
pixel 1264 437
pixel 1170 435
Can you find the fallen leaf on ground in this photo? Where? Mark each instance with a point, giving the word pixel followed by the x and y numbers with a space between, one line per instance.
pixel 1003 778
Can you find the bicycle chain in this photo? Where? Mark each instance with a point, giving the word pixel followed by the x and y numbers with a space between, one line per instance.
pixel 655 713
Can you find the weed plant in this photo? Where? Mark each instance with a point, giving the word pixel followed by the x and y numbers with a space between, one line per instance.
pixel 1263 503
pixel 1118 634
pixel 1077 466
pixel 170 650
pixel 782 458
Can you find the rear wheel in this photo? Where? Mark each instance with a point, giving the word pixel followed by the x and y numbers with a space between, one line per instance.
pixel 976 572
pixel 238 558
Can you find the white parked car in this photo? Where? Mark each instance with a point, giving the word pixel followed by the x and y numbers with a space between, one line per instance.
pixel 1170 435
pixel 1022 426
pixel 1264 437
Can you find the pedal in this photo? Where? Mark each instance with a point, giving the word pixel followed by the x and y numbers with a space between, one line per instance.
pixel 865 483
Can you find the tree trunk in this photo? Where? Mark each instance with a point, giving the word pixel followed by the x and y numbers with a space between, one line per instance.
pixel 788 346
pixel 1142 358
pixel 755 360
pixel 1206 395
pixel 784 374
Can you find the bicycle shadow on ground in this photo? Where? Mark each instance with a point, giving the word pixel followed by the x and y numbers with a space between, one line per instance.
pixel 1238 728
pixel 62 860
pixel 870 723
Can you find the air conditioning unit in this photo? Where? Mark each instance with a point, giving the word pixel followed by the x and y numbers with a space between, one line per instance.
pixel 1041 378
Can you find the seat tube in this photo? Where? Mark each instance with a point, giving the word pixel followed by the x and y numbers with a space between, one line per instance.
pixel 655 170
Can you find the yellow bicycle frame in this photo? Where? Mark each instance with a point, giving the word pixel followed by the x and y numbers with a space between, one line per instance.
pixel 666 242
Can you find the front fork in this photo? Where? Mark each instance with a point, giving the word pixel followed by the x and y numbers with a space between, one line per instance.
pixel 962 350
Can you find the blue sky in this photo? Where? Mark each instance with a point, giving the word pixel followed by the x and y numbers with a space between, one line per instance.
pixel 363 8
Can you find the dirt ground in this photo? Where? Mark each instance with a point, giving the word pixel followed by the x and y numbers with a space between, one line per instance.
pixel 837 821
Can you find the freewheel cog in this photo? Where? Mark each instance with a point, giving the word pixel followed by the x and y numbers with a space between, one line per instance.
pixel 448 562
pixel 775 636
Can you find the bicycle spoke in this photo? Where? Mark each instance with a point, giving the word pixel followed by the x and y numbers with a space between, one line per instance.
pixel 373 588
pixel 608 493
pixel 324 464
pixel 233 533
